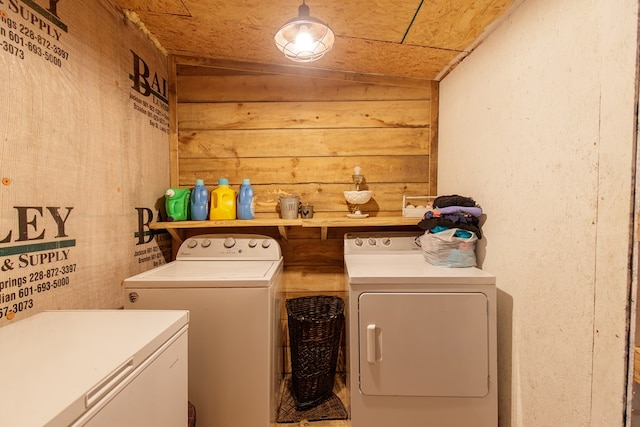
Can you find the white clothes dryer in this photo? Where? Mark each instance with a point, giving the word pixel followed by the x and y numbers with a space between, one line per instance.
pixel 231 285
pixel 422 338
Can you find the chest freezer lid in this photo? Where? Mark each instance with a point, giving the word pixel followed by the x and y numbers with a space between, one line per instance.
pixel 202 273
pixel 53 359
pixel 409 268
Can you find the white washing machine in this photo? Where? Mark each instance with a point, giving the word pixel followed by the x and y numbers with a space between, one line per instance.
pixel 231 285
pixel 422 338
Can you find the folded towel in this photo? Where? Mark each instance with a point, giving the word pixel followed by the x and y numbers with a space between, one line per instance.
pixel 475 211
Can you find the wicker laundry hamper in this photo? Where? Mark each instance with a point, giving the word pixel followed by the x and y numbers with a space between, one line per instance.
pixel 315 333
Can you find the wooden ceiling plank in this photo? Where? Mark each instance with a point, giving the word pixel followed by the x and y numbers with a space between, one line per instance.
pixel 454 24
pixel 368 34
pixel 163 7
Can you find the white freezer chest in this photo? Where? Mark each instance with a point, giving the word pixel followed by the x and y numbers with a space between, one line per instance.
pixel 95 368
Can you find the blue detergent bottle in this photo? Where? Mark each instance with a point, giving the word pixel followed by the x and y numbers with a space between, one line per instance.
pixel 246 206
pixel 199 201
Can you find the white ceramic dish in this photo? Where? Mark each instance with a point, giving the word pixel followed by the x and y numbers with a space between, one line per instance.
pixel 357 215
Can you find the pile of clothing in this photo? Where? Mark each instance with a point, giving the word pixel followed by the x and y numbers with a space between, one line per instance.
pixel 452 227
pixel 453 212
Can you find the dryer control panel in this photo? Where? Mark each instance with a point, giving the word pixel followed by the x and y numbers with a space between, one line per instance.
pixel 381 242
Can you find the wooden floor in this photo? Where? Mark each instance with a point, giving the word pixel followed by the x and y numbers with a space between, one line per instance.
pixel 340 389
pixel 335 423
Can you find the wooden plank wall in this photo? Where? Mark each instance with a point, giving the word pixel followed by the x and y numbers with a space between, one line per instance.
pixel 303 134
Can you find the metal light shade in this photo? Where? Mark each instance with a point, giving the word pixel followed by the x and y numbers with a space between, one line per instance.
pixel 304 39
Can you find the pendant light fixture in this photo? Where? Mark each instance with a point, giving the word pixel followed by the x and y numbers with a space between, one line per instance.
pixel 304 38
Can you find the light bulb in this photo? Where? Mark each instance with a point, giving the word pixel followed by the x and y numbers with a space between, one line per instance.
pixel 304 41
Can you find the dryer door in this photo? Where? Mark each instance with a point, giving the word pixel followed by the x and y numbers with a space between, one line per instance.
pixel 424 344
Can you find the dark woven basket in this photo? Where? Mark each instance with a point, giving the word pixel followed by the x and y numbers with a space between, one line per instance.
pixel 315 331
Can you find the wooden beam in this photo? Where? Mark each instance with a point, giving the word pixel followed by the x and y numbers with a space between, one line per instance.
pixel 294 70
pixel 283 232
pixel 172 78
pixel 433 139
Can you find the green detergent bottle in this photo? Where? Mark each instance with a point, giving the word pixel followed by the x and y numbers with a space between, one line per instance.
pixel 176 202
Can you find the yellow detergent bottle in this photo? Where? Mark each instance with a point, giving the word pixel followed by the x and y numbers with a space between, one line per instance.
pixel 223 201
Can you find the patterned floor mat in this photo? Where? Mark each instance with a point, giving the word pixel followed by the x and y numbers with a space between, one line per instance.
pixel 330 409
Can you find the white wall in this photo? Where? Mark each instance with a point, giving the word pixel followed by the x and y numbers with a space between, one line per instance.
pixel 80 139
pixel 538 126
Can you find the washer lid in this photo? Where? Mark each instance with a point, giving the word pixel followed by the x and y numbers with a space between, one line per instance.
pixel 409 268
pixel 204 274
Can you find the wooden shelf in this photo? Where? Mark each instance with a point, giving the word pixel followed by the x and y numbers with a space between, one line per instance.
pixel 175 228
pixel 325 223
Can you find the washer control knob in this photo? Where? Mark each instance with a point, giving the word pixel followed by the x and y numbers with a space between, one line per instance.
pixel 192 244
pixel 386 241
pixel 358 241
pixel 206 243
pixel 229 242
pixel 266 243
pixel 253 243
pixel 372 241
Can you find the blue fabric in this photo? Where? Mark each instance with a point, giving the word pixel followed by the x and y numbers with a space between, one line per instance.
pixel 458 233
